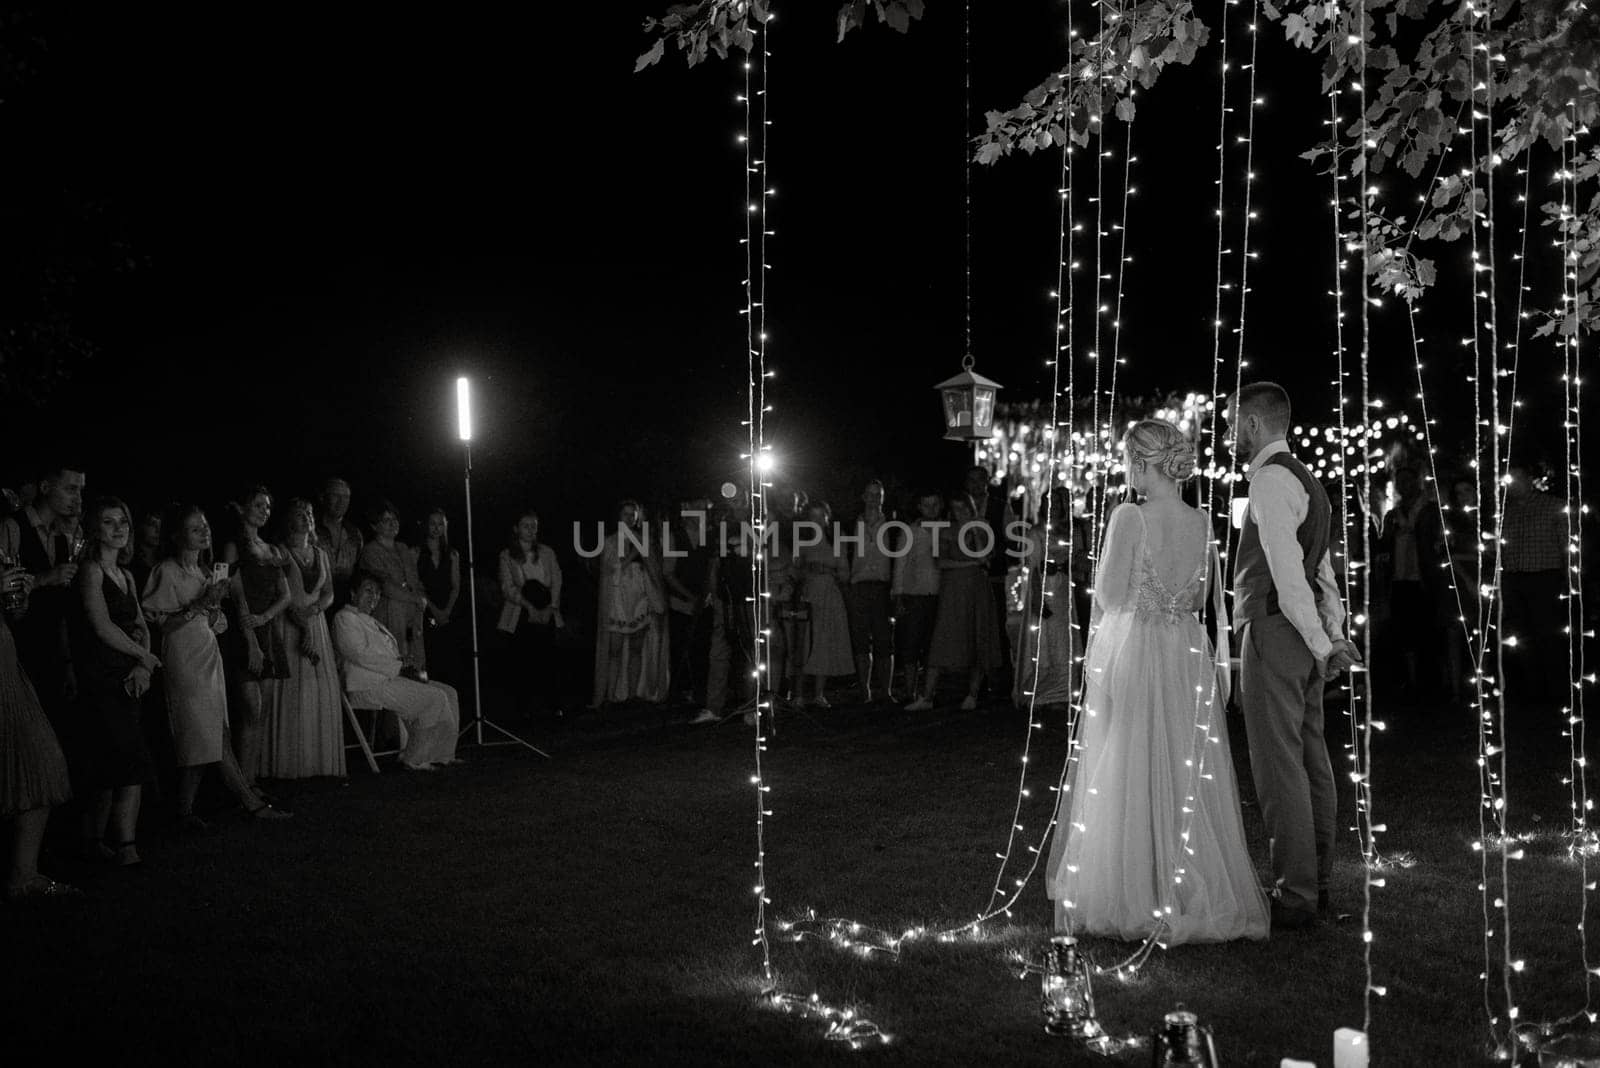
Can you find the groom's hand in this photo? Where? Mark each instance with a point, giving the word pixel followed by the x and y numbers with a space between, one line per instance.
pixel 1343 656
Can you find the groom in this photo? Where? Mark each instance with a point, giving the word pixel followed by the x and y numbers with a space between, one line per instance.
pixel 1291 621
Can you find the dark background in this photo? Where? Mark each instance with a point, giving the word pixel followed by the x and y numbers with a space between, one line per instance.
pixel 303 228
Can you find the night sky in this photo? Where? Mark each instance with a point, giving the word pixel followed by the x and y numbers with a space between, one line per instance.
pixel 325 220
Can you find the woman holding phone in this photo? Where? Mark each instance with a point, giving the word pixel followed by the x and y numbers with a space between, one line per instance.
pixel 184 599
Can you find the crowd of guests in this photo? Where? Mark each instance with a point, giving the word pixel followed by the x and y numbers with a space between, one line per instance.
pixel 1434 556
pixel 120 642
pixel 135 649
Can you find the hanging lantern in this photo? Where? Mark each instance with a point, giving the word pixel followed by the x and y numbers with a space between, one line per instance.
pixel 1180 1040
pixel 1068 994
pixel 968 404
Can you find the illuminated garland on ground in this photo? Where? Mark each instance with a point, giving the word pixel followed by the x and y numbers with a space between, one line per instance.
pixel 843 1025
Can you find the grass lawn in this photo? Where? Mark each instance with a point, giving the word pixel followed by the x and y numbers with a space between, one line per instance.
pixel 597 908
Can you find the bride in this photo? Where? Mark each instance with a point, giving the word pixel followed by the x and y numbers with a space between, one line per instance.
pixel 1148 836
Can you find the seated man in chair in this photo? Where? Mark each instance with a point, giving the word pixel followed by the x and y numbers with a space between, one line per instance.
pixel 376 677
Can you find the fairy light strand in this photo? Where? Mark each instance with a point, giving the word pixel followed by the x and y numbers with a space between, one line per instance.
pixel 1346 555
pixel 1216 315
pixel 1117 357
pixel 1367 195
pixel 1499 459
pixel 1249 140
pixel 1033 630
pixel 1582 839
pixel 755 230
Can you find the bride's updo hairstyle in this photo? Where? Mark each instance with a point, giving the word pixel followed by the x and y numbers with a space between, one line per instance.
pixel 1162 447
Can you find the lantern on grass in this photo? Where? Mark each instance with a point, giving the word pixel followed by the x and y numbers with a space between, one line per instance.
pixel 1068 993
pixel 1180 1040
pixel 968 404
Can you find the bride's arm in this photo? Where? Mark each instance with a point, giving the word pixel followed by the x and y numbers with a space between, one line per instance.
pixel 1114 577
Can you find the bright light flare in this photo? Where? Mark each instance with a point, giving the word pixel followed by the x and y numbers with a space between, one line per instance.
pixel 464 408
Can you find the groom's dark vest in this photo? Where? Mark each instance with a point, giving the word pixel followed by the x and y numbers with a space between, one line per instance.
pixel 1254 595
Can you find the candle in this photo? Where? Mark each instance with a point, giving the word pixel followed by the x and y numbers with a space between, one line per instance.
pixel 1349 1048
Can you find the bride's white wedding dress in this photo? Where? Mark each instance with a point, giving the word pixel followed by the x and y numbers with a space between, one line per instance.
pixel 1149 832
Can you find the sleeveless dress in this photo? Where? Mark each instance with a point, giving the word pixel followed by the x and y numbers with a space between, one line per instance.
pixel 966 626
pixel 1045 653
pixel 260 579
pixel 101 734
pixel 33 772
pixel 191 667
pixel 828 641
pixel 304 734
pixel 1153 706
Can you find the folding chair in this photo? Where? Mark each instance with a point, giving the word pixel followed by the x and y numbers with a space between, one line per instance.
pixel 361 741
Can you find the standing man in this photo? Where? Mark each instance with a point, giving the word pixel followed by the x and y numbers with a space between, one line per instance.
pixel 687 571
pixel 871 629
pixel 39 539
pixel 1286 605
pixel 341 538
pixel 992 509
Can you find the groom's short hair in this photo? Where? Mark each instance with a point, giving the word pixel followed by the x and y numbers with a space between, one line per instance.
pixel 1268 401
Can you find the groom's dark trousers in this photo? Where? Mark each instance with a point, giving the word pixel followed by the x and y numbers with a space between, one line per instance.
pixel 1281 692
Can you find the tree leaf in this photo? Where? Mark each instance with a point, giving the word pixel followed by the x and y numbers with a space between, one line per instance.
pixel 1125 109
pixel 1298 31
pixel 650 57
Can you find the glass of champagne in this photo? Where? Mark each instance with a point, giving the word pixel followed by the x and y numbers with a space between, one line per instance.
pixel 15 594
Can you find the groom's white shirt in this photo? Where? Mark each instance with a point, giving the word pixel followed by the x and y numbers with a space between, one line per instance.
pixel 1278 504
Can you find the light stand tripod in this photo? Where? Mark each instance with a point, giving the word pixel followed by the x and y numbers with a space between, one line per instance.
pixel 479 720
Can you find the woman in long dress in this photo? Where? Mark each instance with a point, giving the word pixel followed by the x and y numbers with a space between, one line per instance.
pixel 1045 654
pixel 822 570
pixel 1149 838
pixel 184 599
pixel 966 634
pixel 438 568
pixel 33 771
pixel 631 655
pixel 113 663
pixel 305 735
pixel 259 646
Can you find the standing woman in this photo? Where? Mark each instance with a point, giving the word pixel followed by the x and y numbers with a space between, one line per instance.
pixel 1045 654
pixel 306 736
pixel 629 657
pixel 438 569
pixel 33 773
pixel 966 636
pixel 260 644
pixel 184 599
pixel 822 570
pixel 111 654
pixel 530 584
pixel 404 602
